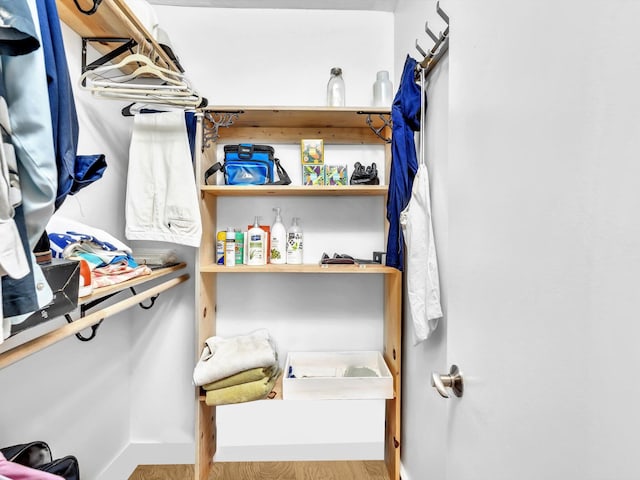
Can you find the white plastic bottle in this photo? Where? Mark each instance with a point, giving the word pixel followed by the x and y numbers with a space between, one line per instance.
pixel 278 240
pixel 294 243
pixel 382 90
pixel 336 89
pixel 256 244
pixel 230 248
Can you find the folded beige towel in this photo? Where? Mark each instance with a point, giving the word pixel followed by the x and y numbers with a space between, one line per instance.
pixel 222 357
pixel 246 392
pixel 243 377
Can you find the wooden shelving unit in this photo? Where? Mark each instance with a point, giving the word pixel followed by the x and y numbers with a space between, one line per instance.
pixel 35 345
pixel 113 19
pixel 287 125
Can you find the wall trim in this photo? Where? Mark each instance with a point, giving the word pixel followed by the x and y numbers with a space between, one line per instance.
pixel 298 452
pixel 403 473
pixel 135 454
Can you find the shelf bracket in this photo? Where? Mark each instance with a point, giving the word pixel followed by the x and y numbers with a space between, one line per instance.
pixel 386 122
pixel 84 308
pixel 127 45
pixel 212 123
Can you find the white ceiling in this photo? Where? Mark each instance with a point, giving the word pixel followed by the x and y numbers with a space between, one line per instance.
pixel 375 5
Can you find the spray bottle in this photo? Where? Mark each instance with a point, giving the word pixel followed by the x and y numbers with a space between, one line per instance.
pixel 278 240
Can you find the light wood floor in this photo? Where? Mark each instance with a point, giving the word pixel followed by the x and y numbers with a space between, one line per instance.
pixel 352 470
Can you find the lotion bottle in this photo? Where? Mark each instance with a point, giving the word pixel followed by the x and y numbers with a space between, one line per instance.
pixel 294 243
pixel 256 244
pixel 278 240
pixel 230 248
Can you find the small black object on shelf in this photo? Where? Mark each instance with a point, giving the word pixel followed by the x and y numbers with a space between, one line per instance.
pixel 364 175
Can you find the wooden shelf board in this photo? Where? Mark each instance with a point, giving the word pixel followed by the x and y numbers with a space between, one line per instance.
pixel 302 117
pixel 39 343
pixel 294 190
pixel 305 268
pixel 112 19
pixel 104 291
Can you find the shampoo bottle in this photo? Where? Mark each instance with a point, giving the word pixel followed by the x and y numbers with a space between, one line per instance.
pixel 230 248
pixel 256 244
pixel 294 243
pixel 278 240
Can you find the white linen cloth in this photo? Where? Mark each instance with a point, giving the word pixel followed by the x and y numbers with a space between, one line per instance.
pixel 161 198
pixel 222 357
pixel 423 281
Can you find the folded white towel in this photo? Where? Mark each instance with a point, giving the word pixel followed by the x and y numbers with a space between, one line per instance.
pixel 222 357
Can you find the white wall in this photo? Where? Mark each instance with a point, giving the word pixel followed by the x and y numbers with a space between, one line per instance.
pixel 423 411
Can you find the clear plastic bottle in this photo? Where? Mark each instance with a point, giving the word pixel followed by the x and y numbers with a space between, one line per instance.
pixel 382 90
pixel 294 243
pixel 335 89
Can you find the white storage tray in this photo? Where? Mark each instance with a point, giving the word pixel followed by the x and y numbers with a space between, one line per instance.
pixel 321 376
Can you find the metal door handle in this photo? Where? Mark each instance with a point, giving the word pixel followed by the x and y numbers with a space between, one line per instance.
pixel 453 381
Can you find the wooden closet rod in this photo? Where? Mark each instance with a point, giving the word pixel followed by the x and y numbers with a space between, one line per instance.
pixel 32 346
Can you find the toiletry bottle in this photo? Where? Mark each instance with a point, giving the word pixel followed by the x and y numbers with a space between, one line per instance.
pixel 220 238
pixel 382 90
pixel 336 89
pixel 294 243
pixel 278 240
pixel 239 247
pixel 230 248
pixel 256 244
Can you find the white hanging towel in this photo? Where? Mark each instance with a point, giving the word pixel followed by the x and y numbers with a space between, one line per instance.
pixel 423 282
pixel 162 199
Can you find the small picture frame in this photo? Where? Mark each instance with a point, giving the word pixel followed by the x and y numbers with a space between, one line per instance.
pixel 335 175
pixel 312 151
pixel 313 174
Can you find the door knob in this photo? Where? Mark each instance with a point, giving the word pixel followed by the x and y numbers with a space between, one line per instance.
pixel 452 381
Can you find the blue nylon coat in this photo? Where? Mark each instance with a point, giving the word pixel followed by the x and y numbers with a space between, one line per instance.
pixel 405 114
pixel 74 171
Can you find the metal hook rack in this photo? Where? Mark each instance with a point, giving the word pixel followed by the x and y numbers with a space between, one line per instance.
pixel 213 121
pixel 386 122
pixel 440 44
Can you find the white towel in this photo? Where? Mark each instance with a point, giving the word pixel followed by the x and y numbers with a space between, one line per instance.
pixel 223 357
pixel 423 281
pixel 162 198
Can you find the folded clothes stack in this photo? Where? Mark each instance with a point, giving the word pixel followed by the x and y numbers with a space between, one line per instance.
pixel 237 369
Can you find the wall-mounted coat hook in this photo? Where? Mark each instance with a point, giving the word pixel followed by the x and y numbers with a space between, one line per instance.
pixel 441 12
pixel 434 37
pixel 419 48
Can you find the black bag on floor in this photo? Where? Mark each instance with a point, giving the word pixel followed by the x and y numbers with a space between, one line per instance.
pixel 32 454
pixel 38 455
pixel 66 467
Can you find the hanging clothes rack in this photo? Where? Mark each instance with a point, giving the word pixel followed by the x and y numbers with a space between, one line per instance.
pixel 440 45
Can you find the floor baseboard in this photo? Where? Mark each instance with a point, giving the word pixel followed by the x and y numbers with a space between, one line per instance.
pixel 316 452
pixel 135 454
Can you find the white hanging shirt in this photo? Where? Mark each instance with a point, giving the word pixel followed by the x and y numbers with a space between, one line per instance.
pixel 423 283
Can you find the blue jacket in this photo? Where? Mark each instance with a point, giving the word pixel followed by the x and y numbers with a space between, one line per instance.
pixel 17 31
pixel 405 114
pixel 74 172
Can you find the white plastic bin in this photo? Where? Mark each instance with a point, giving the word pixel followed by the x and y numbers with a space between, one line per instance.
pixel 328 376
